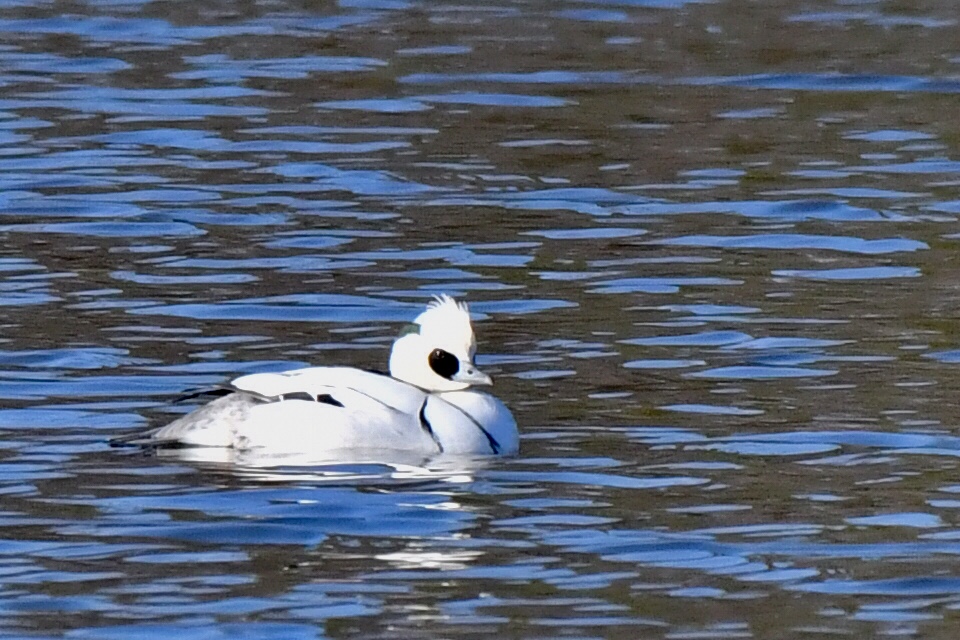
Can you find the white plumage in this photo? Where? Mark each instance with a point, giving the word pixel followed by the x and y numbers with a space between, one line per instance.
pixel 427 405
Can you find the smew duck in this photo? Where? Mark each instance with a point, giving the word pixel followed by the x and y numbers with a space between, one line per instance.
pixel 426 405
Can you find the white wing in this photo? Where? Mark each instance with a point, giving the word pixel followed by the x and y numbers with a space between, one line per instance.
pixel 322 409
pixel 334 381
pixel 314 409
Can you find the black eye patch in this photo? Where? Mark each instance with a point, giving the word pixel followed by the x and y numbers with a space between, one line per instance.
pixel 443 363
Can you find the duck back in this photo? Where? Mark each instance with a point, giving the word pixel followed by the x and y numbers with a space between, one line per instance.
pixel 339 408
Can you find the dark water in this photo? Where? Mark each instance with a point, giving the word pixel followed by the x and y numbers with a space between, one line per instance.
pixel 714 247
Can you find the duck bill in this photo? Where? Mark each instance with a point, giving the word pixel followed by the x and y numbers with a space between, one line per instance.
pixel 471 375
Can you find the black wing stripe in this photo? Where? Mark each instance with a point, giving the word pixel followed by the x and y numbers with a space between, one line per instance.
pixel 296 395
pixel 363 393
pixel 426 426
pixel 145 440
pixel 208 392
pixel 326 398
pixel 494 445
pixel 223 390
pixel 323 398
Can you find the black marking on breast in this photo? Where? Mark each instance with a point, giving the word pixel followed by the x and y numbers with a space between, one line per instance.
pixel 426 426
pixel 494 445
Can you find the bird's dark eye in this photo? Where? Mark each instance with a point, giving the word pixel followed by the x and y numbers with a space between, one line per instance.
pixel 444 363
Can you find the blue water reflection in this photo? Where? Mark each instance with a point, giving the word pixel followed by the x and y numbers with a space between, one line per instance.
pixel 713 275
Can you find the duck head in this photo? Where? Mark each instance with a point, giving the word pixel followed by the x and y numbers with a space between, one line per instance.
pixel 436 352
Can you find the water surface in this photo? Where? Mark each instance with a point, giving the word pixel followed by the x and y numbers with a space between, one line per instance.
pixel 711 248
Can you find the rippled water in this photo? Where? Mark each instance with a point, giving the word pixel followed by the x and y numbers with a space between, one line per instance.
pixel 713 251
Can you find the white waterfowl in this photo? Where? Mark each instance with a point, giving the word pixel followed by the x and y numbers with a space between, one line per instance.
pixel 427 405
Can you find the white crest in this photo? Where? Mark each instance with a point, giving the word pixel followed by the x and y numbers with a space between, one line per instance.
pixel 444 326
pixel 447 322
